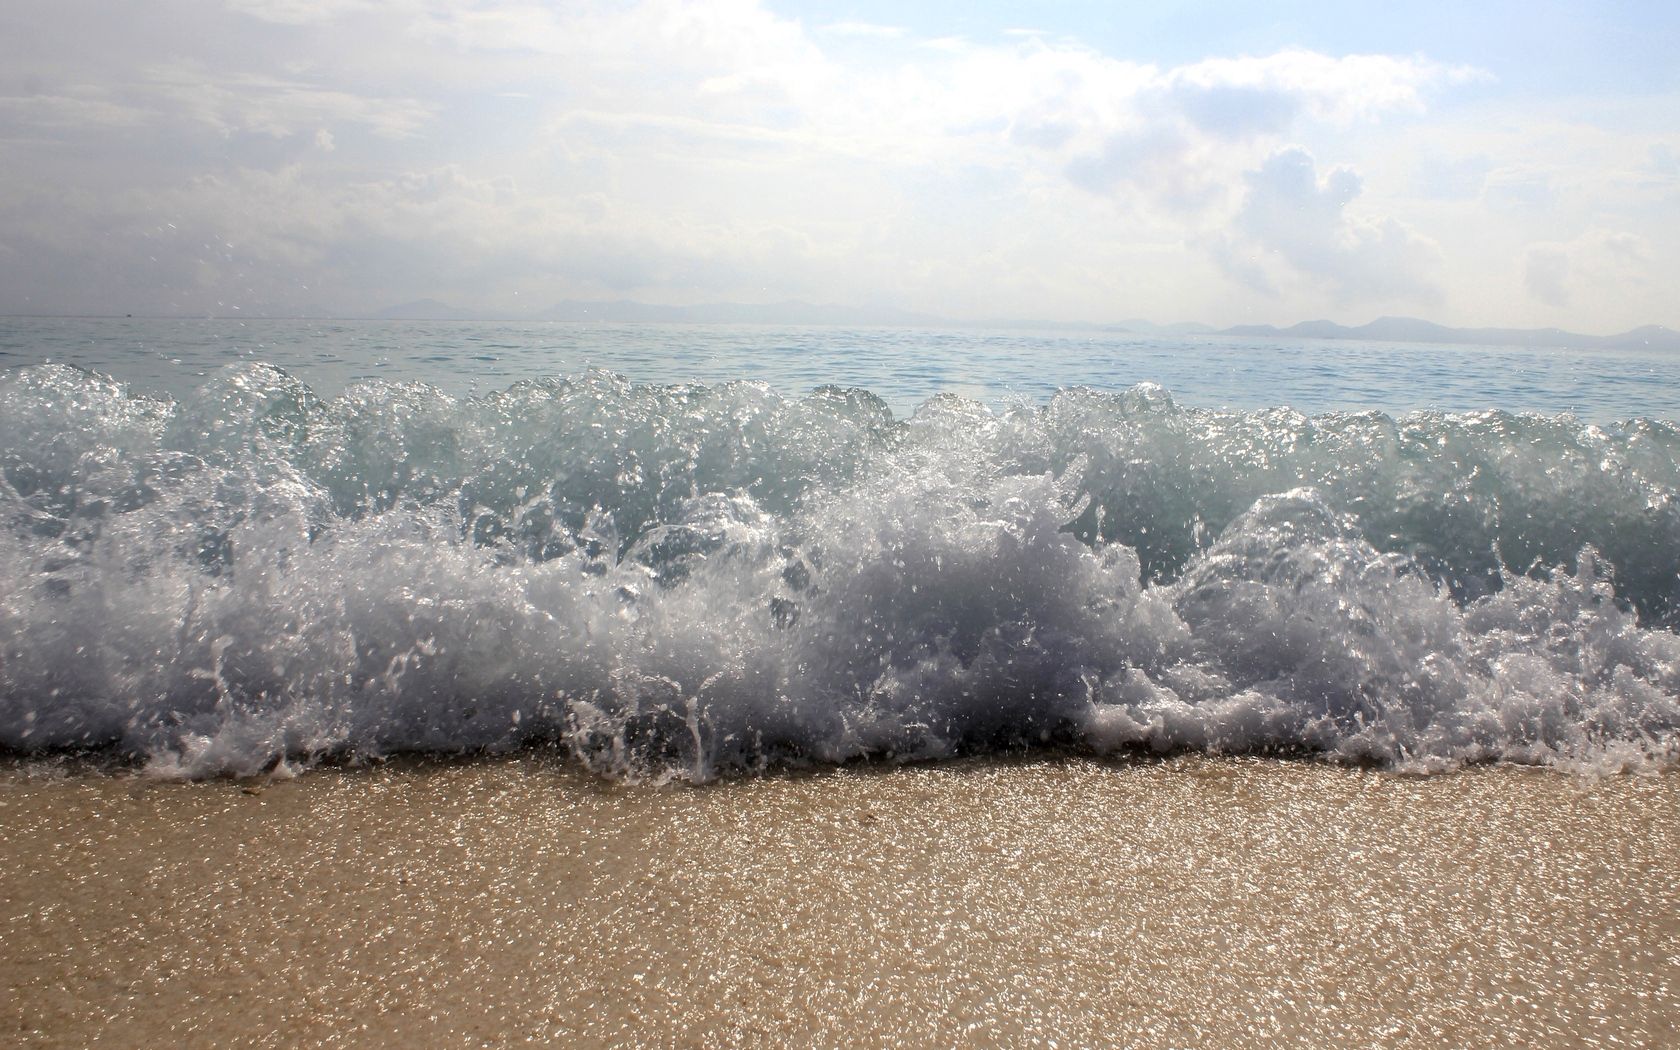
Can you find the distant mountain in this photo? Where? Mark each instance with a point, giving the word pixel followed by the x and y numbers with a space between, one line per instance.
pixel 1412 330
pixel 1650 337
pixel 794 312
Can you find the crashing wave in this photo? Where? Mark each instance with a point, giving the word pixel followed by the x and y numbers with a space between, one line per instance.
pixel 684 581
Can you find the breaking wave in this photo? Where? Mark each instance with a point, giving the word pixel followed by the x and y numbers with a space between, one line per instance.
pixel 694 580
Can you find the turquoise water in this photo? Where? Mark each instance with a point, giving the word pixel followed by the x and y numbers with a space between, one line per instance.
pixel 904 367
pixel 281 542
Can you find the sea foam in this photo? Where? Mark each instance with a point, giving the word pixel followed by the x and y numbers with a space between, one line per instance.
pixel 694 580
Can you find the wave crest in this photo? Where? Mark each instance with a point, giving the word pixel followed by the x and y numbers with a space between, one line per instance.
pixel 689 580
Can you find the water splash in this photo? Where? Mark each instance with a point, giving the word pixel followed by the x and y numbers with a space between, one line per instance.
pixel 682 581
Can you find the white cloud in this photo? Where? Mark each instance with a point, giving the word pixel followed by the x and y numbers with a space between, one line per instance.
pixel 1294 216
pixel 671 150
pixel 1452 176
pixel 1346 89
pixel 866 29
pixel 1180 136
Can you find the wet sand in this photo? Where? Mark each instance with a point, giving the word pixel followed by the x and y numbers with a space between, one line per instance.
pixel 1066 902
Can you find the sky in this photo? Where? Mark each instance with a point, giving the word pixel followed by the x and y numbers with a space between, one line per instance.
pixel 1476 164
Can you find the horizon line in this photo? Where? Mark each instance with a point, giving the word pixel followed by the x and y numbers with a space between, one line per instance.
pixel 929 321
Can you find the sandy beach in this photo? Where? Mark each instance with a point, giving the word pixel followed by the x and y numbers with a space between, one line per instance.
pixel 1055 902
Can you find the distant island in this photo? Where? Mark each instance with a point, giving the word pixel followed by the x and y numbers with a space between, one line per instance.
pixel 1383 329
pixel 1412 330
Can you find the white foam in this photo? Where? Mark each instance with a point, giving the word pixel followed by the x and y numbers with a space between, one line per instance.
pixel 683 581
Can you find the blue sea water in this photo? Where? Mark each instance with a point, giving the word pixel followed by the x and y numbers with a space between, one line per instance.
pixel 904 367
pixel 686 551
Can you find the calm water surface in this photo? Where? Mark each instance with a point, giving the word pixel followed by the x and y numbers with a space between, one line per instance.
pixel 904 366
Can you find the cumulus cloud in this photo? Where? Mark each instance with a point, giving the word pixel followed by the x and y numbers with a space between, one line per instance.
pixel 1173 132
pixel 1236 92
pixel 1111 115
pixel 662 149
pixel 1293 215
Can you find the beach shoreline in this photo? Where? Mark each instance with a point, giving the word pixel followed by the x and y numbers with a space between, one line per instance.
pixel 1038 901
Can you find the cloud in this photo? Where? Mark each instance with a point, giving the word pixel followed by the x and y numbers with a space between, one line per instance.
pixel 255 242
pixel 1154 158
pixel 1600 262
pixel 1519 189
pixel 865 29
pixel 1452 176
pixel 305 12
pixel 273 106
pixel 664 149
pixel 1233 111
pixel 1338 89
pixel 1295 216
pixel 1628 248
pixel 90 108
pixel 1179 136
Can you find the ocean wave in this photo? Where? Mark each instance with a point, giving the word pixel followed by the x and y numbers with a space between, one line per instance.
pixel 694 580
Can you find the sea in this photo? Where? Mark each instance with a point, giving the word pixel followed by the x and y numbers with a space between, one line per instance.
pixel 689 552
